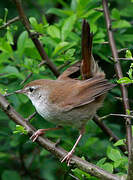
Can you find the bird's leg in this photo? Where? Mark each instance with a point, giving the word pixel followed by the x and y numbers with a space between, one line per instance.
pixel 41 132
pixel 68 157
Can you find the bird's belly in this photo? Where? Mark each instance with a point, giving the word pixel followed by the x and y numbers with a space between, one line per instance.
pixel 77 117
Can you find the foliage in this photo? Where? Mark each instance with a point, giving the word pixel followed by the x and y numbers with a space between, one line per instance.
pixel 59 31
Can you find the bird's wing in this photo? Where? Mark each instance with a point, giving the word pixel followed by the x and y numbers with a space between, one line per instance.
pixel 73 94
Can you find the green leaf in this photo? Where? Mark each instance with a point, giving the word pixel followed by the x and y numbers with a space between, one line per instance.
pixel 127 37
pixel 70 52
pixel 80 174
pixel 122 163
pixel 113 154
pixel 3 91
pixel 11 71
pixel 9 37
pixel 108 167
pixel 4 155
pixel 33 21
pixel 20 129
pixel 10 174
pixel 53 31
pixel 121 24
pixel 22 42
pixel 124 80
pixel 128 54
pixel 130 73
pixel 60 46
pixel 49 41
pixel 127 11
pixel 68 26
pixel 5 15
pixel 101 162
pixel 6 47
pixel 73 5
pixel 121 142
pixel 131 66
pixel 60 12
pixel 36 26
pixel 117 163
pixel 115 14
pixel 128 111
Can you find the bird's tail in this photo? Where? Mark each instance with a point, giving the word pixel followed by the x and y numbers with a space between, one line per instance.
pixel 89 67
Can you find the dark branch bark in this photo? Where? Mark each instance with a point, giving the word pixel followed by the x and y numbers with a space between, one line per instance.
pixel 34 38
pixel 51 147
pixel 130 165
pixel 119 74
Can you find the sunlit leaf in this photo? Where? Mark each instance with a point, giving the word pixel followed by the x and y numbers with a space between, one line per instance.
pixel 53 31
pixel 124 80
pixel 68 26
pixel 121 142
pixel 114 154
pixel 60 46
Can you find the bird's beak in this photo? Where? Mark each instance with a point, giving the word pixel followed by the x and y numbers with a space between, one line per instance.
pixel 21 91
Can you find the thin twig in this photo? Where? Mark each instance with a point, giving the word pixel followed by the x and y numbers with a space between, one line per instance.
pixel 121 50
pixel 105 42
pixel 119 74
pixel 50 146
pixel 34 37
pixel 29 75
pixel 98 9
pixel 74 177
pixel 122 115
pixel 8 94
pixel 119 115
pixel 31 116
pixel 108 131
pixel 9 22
pixel 125 59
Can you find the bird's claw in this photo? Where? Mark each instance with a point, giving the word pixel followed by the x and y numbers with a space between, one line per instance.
pixel 36 135
pixel 67 158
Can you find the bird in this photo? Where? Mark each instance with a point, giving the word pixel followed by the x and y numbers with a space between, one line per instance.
pixel 68 100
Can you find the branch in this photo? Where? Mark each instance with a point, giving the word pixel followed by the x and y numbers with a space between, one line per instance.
pixel 121 50
pixel 119 115
pixel 108 132
pixel 51 147
pixel 125 59
pixel 119 74
pixel 34 38
pixel 130 165
pixel 9 22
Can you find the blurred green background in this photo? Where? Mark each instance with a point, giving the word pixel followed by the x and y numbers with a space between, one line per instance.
pixel 59 24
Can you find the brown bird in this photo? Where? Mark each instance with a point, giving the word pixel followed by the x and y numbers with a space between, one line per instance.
pixel 68 101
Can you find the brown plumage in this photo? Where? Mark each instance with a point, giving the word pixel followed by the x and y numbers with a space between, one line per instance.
pixel 67 100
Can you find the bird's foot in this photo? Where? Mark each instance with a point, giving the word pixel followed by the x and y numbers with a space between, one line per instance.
pixel 37 134
pixel 67 158
pixel 41 132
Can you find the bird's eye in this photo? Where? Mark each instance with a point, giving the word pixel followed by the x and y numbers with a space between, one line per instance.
pixel 31 89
